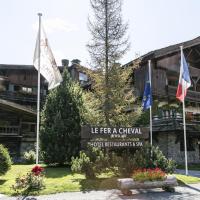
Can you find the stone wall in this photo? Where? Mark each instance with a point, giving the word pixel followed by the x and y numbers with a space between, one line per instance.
pixel 166 142
pixel 26 146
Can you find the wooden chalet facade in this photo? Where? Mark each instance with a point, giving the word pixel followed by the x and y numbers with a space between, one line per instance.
pixel 167 110
pixel 18 100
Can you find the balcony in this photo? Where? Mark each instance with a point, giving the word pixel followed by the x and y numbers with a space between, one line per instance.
pixel 175 123
pixel 191 95
pixel 20 97
pixel 9 130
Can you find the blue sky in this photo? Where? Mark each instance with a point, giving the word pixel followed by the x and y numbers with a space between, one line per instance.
pixel 153 24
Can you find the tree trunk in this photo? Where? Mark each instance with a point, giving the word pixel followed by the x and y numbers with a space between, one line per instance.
pixel 106 68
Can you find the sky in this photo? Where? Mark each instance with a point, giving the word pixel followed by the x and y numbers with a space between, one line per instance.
pixel 153 24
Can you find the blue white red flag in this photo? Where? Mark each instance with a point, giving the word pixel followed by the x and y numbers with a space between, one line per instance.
pixel 184 79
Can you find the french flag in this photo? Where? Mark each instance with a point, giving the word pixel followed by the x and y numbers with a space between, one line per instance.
pixel 184 79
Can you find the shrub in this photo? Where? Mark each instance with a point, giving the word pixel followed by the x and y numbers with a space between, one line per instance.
pixel 171 166
pixel 122 165
pixel 82 164
pixel 91 162
pixel 94 161
pixel 152 157
pixel 33 180
pixel 5 160
pixel 29 157
pixel 149 174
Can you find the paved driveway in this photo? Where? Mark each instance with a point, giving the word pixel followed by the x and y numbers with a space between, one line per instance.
pixel 188 192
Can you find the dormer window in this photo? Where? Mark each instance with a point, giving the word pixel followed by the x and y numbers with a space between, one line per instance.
pixel 83 77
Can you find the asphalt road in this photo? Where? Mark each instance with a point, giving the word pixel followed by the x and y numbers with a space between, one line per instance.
pixel 186 192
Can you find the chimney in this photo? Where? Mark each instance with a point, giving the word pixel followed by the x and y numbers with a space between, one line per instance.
pixel 76 61
pixel 65 62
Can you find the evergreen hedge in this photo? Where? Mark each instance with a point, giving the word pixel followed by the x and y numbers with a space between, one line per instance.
pixel 5 160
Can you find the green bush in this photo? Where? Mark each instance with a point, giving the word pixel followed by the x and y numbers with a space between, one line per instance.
pixel 82 164
pixel 121 165
pixel 90 162
pixel 5 160
pixel 29 157
pixel 171 166
pixel 94 161
pixel 152 157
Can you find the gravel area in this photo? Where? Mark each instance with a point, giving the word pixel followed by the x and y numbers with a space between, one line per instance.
pixel 187 192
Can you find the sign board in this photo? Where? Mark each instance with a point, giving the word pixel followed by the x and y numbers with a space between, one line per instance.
pixel 114 137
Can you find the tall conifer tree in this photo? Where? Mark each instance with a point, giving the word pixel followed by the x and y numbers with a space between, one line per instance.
pixel 61 122
pixel 109 42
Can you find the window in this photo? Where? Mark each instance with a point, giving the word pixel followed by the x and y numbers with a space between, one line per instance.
pixel 27 89
pixel 173 80
pixel 28 128
pixel 190 144
pixel 32 128
pixel 25 127
pixel 83 77
pixel 11 87
pixel 34 89
pixel 16 88
pixel 198 86
pixel 44 92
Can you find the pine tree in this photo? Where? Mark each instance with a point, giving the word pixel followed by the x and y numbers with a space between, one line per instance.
pixel 61 122
pixel 111 83
pixel 123 108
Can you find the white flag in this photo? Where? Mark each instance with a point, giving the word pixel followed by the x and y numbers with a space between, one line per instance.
pixel 48 67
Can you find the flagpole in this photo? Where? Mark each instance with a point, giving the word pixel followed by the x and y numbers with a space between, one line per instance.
pixel 151 138
pixel 184 124
pixel 38 93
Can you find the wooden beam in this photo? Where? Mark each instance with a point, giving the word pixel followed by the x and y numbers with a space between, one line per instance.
pixel 189 54
pixel 198 52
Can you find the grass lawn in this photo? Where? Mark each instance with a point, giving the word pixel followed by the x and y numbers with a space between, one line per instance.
pixel 183 179
pixel 62 180
pixel 57 180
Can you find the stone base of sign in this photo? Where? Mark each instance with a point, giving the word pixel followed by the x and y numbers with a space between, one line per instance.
pixel 126 184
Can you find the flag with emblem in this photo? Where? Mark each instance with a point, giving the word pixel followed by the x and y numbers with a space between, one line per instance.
pixel 48 67
pixel 147 95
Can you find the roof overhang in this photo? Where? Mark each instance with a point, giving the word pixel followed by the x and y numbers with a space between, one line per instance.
pixel 16 107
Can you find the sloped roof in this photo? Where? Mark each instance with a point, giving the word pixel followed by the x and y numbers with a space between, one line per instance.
pixel 11 66
pixel 20 67
pixel 168 50
pixel 173 48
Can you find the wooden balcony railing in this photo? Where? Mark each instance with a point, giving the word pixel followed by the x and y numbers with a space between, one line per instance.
pixel 18 96
pixel 172 123
pixel 191 95
pixel 9 130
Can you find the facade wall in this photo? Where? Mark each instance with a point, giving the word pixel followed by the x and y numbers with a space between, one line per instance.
pixel 23 77
pixel 171 149
pixel 17 131
pixel 18 84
